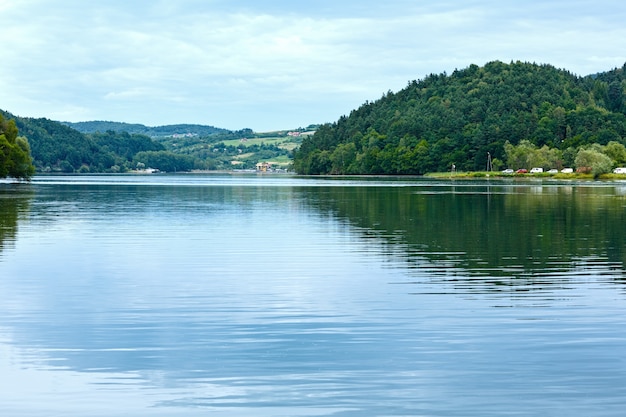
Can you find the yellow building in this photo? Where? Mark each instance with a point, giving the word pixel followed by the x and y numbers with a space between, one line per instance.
pixel 263 166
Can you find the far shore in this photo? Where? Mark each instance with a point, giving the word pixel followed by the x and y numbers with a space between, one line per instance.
pixel 434 175
pixel 543 175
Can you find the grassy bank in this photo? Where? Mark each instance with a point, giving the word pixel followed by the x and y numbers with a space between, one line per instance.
pixel 543 175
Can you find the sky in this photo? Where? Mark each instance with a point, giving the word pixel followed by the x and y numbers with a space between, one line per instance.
pixel 273 65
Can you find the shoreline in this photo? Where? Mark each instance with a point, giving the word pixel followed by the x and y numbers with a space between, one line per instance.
pixel 541 176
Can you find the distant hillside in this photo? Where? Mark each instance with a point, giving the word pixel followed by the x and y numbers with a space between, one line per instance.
pixel 57 147
pixel 462 118
pixel 139 129
pixel 110 147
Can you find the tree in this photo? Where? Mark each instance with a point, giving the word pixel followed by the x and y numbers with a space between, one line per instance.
pixel 519 156
pixel 342 158
pixel 527 155
pixel 616 151
pixel 165 161
pixel 593 159
pixel 15 159
pixel 614 96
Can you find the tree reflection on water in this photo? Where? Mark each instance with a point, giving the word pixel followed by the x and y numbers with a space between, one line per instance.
pixel 14 203
pixel 500 232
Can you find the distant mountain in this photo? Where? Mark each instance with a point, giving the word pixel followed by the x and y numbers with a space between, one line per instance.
pixel 139 129
pixel 462 118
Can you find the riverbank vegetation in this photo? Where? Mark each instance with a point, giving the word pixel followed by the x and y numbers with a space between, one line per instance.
pixel 517 115
pixel 15 159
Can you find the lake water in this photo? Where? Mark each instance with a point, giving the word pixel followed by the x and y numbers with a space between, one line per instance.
pixel 235 295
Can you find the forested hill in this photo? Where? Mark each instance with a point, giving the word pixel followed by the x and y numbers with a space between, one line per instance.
pixel 139 129
pixel 57 147
pixel 461 118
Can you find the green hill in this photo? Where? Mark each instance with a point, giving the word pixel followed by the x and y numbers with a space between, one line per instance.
pixel 109 147
pixel 461 118
pixel 139 129
pixel 57 147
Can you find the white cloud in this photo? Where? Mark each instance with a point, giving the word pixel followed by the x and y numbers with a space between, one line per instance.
pixel 212 62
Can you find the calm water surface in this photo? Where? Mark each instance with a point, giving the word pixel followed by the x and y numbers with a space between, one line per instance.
pixel 285 296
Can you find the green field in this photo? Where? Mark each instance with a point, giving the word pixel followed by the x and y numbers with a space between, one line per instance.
pixel 281 161
pixel 282 142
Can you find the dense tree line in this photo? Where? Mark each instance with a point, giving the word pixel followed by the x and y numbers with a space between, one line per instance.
pixel 461 118
pixel 164 161
pixel 57 147
pixel 192 142
pixel 124 144
pixel 15 158
pixel 595 158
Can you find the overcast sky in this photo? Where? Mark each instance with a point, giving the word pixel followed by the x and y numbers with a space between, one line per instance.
pixel 279 64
